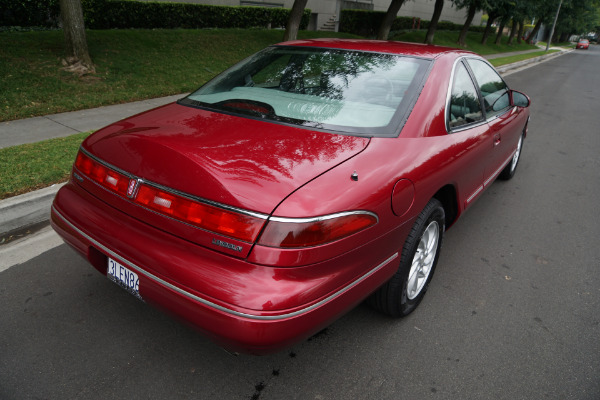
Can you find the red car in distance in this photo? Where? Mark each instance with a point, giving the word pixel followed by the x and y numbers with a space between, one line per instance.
pixel 583 44
pixel 309 177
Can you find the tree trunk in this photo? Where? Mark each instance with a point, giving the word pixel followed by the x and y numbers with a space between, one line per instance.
pixel 437 11
pixel 564 37
pixel 521 31
pixel 535 31
pixel 388 20
pixel 503 22
pixel 513 32
pixel 488 28
pixel 293 24
pixel 78 58
pixel 462 38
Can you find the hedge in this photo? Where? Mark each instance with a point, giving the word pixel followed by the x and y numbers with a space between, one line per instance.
pixel 29 13
pixel 366 23
pixel 123 14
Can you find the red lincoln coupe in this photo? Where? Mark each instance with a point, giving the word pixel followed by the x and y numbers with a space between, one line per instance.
pixel 309 177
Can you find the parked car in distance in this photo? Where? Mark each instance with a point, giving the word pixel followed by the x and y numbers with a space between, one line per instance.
pixel 583 44
pixel 309 177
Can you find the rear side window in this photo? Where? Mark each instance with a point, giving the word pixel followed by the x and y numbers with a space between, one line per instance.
pixel 464 107
pixel 493 89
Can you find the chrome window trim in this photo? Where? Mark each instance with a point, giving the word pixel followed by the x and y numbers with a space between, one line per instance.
pixel 209 303
pixel 449 94
pixel 474 124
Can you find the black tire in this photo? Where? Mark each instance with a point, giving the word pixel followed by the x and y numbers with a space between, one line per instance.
pixel 509 171
pixel 394 298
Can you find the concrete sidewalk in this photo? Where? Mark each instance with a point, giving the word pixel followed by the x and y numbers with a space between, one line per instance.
pixel 31 130
pixel 20 212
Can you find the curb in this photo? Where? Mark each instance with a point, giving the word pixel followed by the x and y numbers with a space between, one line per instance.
pixel 503 69
pixel 23 211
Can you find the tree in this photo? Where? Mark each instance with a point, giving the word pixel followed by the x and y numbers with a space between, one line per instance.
pixel 521 10
pixel 503 21
pixel 437 11
pixel 542 11
pixel 77 58
pixel 293 24
pixel 513 31
pixel 472 7
pixel 521 31
pixel 388 20
pixel 577 17
pixel 492 15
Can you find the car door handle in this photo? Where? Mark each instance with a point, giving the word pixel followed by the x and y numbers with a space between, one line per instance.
pixel 497 139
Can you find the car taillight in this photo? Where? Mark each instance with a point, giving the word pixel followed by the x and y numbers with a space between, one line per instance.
pixel 222 221
pixel 211 218
pixel 107 178
pixel 238 224
pixel 298 233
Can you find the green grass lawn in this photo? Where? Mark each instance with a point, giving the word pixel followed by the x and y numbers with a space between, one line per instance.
pixel 496 62
pixel 450 38
pixel 131 65
pixel 36 165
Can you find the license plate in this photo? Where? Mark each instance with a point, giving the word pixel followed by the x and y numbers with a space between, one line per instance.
pixel 124 277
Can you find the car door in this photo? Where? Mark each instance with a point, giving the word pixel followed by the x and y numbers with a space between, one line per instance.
pixel 504 131
pixel 466 124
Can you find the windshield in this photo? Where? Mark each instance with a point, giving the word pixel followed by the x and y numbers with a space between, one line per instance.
pixel 340 90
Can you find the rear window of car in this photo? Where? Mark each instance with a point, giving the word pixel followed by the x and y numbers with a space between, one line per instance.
pixel 346 91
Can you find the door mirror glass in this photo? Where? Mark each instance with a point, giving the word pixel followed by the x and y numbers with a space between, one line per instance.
pixel 519 99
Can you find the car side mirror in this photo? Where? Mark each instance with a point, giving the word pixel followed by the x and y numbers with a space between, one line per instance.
pixel 519 99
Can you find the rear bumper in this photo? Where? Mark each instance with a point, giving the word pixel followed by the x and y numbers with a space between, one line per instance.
pixel 230 300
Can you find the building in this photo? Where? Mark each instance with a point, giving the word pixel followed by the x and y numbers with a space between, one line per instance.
pixel 325 13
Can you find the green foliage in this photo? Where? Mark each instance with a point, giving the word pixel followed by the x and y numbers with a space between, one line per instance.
pixel 29 13
pixel 111 14
pixel 366 23
pixel 32 166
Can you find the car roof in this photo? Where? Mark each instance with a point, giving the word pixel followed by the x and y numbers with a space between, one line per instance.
pixel 380 46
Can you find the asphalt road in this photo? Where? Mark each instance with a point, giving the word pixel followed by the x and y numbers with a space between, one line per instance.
pixel 513 311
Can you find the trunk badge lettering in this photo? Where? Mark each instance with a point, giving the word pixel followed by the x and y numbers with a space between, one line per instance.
pixel 227 245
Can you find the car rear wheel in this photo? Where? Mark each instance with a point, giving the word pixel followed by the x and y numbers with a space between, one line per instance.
pixel 405 290
pixel 509 171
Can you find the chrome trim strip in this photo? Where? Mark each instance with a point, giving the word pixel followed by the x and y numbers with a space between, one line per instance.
pixel 216 306
pixel 323 217
pixel 497 172
pixel 174 191
pixel 479 189
pixel 107 165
